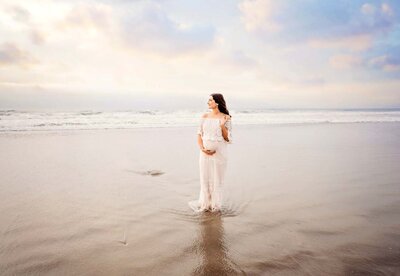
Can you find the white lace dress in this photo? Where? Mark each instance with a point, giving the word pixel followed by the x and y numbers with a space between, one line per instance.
pixel 212 167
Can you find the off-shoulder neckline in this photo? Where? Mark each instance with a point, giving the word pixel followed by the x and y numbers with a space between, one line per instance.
pixel 214 118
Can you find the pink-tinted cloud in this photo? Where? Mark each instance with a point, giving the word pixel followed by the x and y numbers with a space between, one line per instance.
pixel 345 61
pixel 37 37
pixel 352 43
pixel 386 63
pixel 10 54
pixel 94 16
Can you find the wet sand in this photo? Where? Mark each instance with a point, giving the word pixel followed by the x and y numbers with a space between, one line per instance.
pixel 319 199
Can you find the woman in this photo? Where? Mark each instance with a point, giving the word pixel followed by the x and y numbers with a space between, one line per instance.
pixel 213 135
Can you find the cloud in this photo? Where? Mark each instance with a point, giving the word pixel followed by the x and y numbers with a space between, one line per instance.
pixel 153 30
pixel 353 43
pixel 257 15
pixel 387 10
pixel 368 9
pixel 93 16
pixel 90 47
pixel 386 63
pixel 19 14
pixel 37 37
pixel 10 54
pixel 306 82
pixel 236 60
pixel 24 21
pixel 345 61
pixel 143 27
pixel 320 24
pixel 243 60
pixel 372 19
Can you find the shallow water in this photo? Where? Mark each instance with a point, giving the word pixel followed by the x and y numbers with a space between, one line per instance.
pixel 300 200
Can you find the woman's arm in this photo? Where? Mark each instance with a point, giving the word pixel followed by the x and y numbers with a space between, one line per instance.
pixel 200 132
pixel 224 133
pixel 200 141
pixel 224 129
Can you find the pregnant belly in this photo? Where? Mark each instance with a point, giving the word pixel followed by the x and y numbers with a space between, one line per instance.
pixel 211 145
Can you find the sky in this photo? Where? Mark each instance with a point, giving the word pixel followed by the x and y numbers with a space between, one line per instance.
pixel 172 54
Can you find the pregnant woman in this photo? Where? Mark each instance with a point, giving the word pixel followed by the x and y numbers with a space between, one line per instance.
pixel 213 135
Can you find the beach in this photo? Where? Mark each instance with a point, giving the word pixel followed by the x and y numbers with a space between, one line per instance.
pixel 300 199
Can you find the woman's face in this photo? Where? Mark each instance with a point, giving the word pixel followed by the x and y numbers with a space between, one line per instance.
pixel 211 103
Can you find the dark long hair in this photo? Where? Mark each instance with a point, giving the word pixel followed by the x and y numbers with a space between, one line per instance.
pixel 219 99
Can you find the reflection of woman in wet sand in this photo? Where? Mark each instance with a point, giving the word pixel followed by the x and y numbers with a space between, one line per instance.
pixel 214 133
pixel 213 250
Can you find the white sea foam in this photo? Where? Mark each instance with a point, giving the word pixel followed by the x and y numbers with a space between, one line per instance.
pixel 13 120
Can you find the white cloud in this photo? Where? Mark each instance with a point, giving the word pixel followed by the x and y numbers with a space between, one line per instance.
pixel 386 9
pixel 368 9
pixel 257 15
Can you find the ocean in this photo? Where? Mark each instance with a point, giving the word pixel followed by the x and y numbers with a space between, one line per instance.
pixel 19 120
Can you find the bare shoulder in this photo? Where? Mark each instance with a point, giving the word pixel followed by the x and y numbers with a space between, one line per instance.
pixel 205 115
pixel 228 117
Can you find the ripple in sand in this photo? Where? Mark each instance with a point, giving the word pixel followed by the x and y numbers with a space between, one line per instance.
pixel 34 265
pixel 292 263
pixel 319 232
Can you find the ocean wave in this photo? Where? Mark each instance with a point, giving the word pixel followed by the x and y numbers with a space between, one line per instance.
pixel 6 112
pixel 86 113
pixel 149 112
pixel 27 121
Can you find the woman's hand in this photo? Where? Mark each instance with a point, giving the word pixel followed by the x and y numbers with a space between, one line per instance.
pixel 208 152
